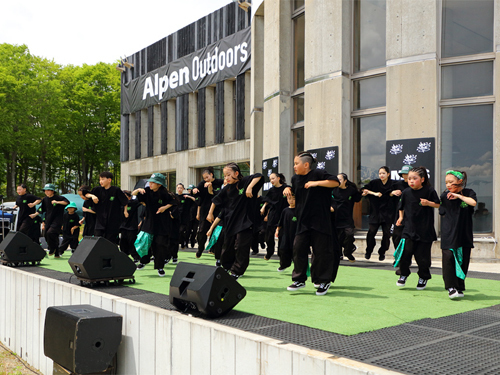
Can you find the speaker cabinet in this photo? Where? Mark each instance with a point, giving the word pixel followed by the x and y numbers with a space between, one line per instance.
pixel 210 288
pixel 96 258
pixel 19 248
pixel 82 338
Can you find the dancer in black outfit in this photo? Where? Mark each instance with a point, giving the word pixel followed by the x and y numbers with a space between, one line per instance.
pixel 192 228
pixel 129 227
pixel 287 227
pixel 89 214
pixel 26 216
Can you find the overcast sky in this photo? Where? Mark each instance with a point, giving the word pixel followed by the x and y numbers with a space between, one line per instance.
pixel 77 33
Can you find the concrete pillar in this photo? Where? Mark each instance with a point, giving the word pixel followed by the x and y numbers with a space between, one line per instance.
pixel 248 94
pixel 131 137
pixel 256 94
pixel 144 133
pixel 229 112
pixel 210 116
pixel 157 130
pixel 171 126
pixel 193 120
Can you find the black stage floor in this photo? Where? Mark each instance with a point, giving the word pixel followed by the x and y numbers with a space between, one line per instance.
pixel 467 343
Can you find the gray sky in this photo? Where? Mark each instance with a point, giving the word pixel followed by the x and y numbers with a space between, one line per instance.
pixel 75 32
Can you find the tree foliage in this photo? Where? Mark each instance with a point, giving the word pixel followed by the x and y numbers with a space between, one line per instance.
pixel 58 124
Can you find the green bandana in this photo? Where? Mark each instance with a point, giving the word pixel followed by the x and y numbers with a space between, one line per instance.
pixel 457 174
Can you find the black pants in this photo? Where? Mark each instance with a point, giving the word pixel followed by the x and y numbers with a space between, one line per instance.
pixel 449 274
pixel 370 237
pixel 160 250
pixel 192 231
pixel 270 241
pixel 28 227
pixel 397 232
pixel 422 253
pixel 110 236
pixel 127 240
pixel 322 267
pixel 70 240
pixel 217 247
pixel 173 247
pixel 203 228
pixel 52 237
pixel 346 240
pixel 183 235
pixel 286 257
pixel 235 255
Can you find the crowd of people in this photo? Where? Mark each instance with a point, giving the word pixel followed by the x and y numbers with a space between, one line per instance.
pixel 311 218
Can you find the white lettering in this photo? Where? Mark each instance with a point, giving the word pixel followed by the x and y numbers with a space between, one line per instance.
pixel 196 68
pixel 213 62
pixel 236 48
pixel 184 73
pixel 163 85
pixel 207 61
pixel 229 58
pixel 148 88
pixel 174 78
pixel 222 60
pixel 244 51
pixel 156 84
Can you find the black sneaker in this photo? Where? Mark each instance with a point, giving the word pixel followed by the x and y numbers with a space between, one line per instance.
pixel 281 269
pixel 452 293
pixel 316 285
pixel 341 257
pixel 421 284
pixel 235 276
pixel 460 293
pixel 167 261
pixel 296 285
pixel 381 257
pixel 217 263
pixel 351 258
pixel 198 253
pixel 140 266
pixel 255 252
pixel 368 255
pixel 175 261
pixel 401 281
pixel 323 288
pixel 161 273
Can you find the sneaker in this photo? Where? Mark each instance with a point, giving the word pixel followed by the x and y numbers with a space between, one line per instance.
pixel 266 258
pixel 255 252
pixel 217 263
pixel 341 257
pixel 235 276
pixel 57 256
pixel 136 261
pixel 296 285
pixel 52 252
pixel 323 288
pixel 140 266
pixel 460 293
pixel 175 261
pixel 262 245
pixel 167 261
pixel 381 257
pixel 453 293
pixel 351 258
pixel 368 255
pixel 316 285
pixel 281 269
pixel 401 281
pixel 161 273
pixel 421 284
pixel 198 253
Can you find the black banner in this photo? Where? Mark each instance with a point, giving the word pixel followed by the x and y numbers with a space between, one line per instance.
pixel 269 166
pixel 327 158
pixel 415 152
pixel 217 62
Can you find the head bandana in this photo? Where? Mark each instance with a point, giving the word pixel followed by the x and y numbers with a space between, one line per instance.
pixel 457 174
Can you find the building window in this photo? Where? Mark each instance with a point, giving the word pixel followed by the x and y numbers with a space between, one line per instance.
pixel 298 109
pixel 369 93
pixel 369 34
pixel 467 80
pixel 299 51
pixel 298 140
pixel 467 27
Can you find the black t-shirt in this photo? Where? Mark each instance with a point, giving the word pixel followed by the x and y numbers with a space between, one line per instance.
pixel 456 221
pixel 288 228
pixel 193 211
pixel 88 229
pixel 240 211
pixel 184 207
pixel 132 221
pixel 277 202
pixel 312 205
pixel 343 204
pixel 400 185
pixel 109 208
pixel 22 202
pixel 205 198
pixel 419 223
pixel 159 224
pixel 53 212
pixel 383 209
pixel 70 221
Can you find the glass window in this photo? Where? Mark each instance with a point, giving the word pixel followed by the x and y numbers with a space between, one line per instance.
pixel 467 145
pixel 467 27
pixel 466 80
pixel 298 140
pixel 369 34
pixel 298 51
pixel 171 183
pixel 298 109
pixel 369 93
pixel 298 4
pixel 369 156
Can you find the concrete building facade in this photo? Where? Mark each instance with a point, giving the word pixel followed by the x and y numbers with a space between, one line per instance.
pixel 368 77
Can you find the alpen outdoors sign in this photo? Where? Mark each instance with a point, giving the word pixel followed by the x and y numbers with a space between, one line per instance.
pixel 217 62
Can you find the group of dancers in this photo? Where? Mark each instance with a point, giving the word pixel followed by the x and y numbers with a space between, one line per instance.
pixel 312 217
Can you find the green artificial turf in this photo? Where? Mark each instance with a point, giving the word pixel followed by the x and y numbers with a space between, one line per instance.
pixel 360 300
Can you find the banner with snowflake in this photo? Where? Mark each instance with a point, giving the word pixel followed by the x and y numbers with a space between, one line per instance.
pixel 269 166
pixel 415 152
pixel 327 158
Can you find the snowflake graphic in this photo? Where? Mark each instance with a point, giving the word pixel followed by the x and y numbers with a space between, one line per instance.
pixel 275 163
pixel 321 165
pixel 330 155
pixel 410 159
pixel 269 172
pixel 264 165
pixel 314 155
pixel 396 149
pixel 424 147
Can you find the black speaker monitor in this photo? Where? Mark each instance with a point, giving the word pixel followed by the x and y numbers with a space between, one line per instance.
pixel 82 338
pixel 211 289
pixel 97 258
pixel 18 247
